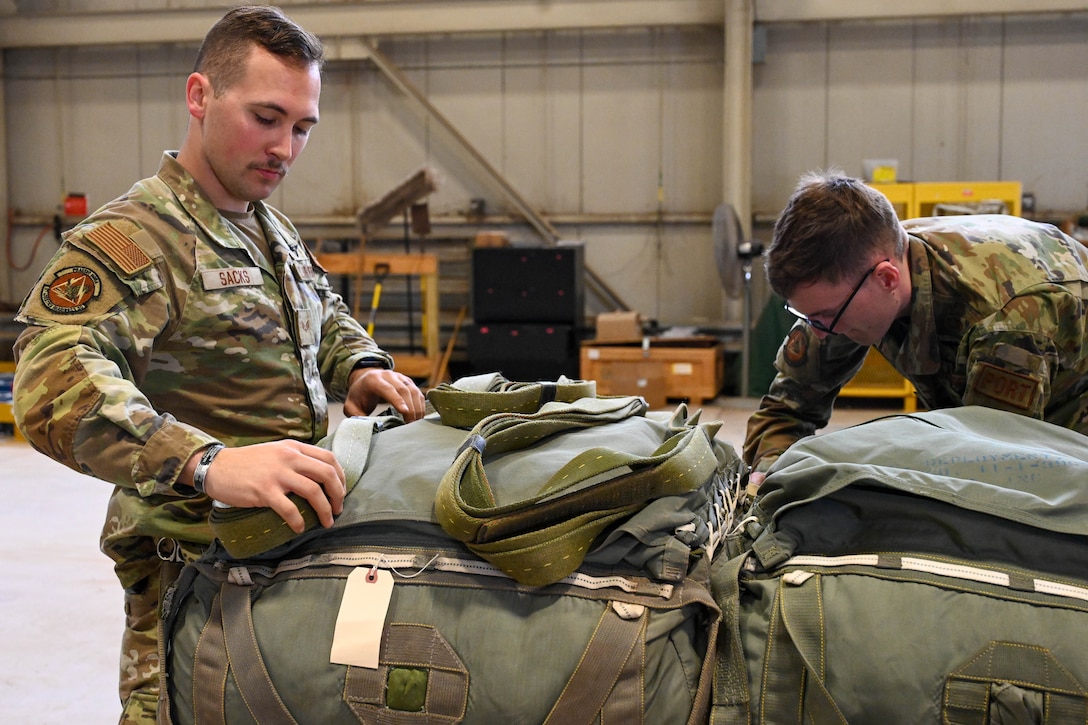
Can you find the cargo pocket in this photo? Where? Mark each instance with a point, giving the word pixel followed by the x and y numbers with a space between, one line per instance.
pixel 418 675
pixel 1010 682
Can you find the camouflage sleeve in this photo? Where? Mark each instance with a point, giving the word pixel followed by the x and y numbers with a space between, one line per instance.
pixel 344 342
pixel 1013 358
pixel 801 397
pixel 76 398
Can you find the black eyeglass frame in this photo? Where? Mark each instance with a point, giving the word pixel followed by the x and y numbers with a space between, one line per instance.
pixel 830 329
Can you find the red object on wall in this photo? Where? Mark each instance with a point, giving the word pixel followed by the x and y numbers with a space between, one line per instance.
pixel 75 205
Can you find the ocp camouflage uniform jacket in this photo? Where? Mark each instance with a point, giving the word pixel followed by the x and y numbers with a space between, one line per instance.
pixel 998 317
pixel 156 330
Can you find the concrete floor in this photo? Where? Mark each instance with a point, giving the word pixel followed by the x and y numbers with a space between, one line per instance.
pixel 60 605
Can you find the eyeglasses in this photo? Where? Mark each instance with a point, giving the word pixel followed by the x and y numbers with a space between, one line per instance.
pixel 830 329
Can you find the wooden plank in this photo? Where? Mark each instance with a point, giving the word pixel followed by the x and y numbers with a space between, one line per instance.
pixel 399 264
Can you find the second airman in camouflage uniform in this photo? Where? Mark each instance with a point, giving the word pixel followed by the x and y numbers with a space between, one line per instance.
pixel 987 310
pixel 189 315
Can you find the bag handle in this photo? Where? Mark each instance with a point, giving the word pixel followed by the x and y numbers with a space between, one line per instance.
pixel 542 539
pixel 468 400
pixel 246 532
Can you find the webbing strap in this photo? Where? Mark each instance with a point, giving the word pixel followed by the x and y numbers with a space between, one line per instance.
pixel 465 402
pixel 541 539
pixel 731 696
pixel 210 670
pixel 613 643
pixel 246 532
pixel 794 671
pixel 626 702
pixel 246 663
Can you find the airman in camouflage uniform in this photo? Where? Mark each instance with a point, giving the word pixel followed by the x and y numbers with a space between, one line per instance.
pixel 987 310
pixel 188 314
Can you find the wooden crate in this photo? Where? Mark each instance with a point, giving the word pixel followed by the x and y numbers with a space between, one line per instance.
pixel 693 368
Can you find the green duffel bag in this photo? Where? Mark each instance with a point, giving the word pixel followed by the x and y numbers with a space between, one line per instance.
pixel 927 568
pixel 565 581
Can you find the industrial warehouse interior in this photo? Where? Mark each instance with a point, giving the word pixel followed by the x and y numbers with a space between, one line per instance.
pixel 552 191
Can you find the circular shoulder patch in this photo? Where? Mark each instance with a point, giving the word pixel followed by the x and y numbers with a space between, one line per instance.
pixel 71 290
pixel 796 348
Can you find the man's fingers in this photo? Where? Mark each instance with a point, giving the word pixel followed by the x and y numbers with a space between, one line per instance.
pixel 351 409
pixel 320 480
pixel 264 474
pixel 313 493
pixel 287 511
pixel 374 385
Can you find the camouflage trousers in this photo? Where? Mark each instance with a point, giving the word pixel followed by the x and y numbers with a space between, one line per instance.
pixel 139 680
pixel 140 665
pixel 141 535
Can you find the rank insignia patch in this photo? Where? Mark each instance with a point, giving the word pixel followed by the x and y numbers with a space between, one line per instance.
pixel 71 290
pixel 796 348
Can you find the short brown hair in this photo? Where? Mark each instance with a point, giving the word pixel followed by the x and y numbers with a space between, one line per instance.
pixel 225 48
pixel 831 225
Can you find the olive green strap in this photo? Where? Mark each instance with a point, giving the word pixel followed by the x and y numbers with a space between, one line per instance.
pixel 229 644
pixel 795 673
pixel 246 532
pixel 540 540
pixel 210 669
pixel 246 663
pixel 467 401
pixel 610 678
pixel 732 697
pixel 603 662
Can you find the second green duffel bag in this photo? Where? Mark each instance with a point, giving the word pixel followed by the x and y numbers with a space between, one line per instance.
pixel 927 568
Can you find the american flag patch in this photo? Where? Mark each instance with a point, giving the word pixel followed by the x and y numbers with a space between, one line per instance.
pixel 123 251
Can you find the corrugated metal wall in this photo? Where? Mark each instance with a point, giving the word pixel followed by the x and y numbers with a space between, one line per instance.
pixel 616 136
pixel 965 99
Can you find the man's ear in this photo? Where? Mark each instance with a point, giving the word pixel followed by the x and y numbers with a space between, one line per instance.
pixel 198 91
pixel 887 273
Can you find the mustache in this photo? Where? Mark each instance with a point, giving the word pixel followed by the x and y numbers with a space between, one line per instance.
pixel 272 165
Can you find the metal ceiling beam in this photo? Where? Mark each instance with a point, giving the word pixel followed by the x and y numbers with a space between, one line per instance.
pixel 542 226
pixel 369 19
pixel 374 18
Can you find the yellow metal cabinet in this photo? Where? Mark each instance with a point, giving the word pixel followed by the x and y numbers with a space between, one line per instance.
pixel 927 195
pixel 918 199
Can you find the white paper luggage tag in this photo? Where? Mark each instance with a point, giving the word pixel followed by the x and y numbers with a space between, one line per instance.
pixel 357 638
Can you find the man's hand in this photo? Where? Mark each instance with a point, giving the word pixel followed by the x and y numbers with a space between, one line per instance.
pixel 369 386
pixel 262 475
